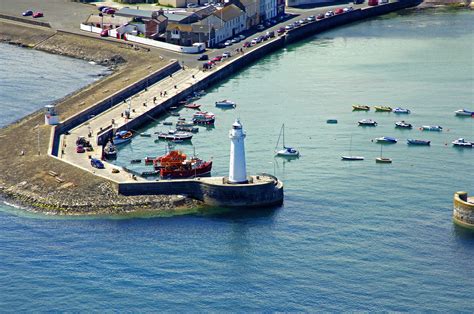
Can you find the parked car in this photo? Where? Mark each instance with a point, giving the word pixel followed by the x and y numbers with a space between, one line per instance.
pixel 329 14
pixel 104 33
pixel 235 40
pixel 242 37
pixel 246 44
pixel 203 58
pixel 226 54
pixel 320 16
pixel 348 9
pixel 228 43
pixel 192 5
pixel 253 42
pixel 271 34
pixel 80 149
pixel 280 31
pixel 96 163
pixel 311 18
pixel 38 14
pixel 216 59
pixel 102 7
pixel 110 11
pixel 304 21
pixel 260 39
pixel 296 24
pixel 260 27
pixel 27 13
pixel 338 11
pixel 289 27
pixel 373 3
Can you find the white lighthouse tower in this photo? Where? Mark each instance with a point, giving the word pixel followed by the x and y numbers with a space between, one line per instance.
pixel 237 167
pixel 50 115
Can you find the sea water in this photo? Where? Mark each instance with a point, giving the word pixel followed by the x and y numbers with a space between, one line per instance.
pixel 350 236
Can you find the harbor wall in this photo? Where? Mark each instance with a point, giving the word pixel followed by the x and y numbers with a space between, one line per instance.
pixel 24 20
pixel 214 77
pixel 213 191
pixel 319 26
pixel 109 102
pixel 463 210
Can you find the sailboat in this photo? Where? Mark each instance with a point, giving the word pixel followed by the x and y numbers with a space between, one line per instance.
pixel 286 151
pixel 350 157
pixel 383 160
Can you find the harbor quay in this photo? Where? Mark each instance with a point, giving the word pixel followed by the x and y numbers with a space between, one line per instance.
pixel 463 209
pixel 143 99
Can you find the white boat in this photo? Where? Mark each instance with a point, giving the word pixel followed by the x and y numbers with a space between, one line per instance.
pixel 383 160
pixel 460 142
pixel 286 151
pixel 367 122
pixel 386 139
pixel 401 110
pixel 403 125
pixel 464 113
pixel 144 134
pixel 226 104
pixel 436 128
pixel 350 157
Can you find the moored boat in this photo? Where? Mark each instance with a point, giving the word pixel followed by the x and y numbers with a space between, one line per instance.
pixel 383 109
pixel 183 123
pixel 192 106
pixel 204 117
pixel 383 160
pixel 286 151
pixel 149 160
pixel 331 121
pixel 122 137
pixel 367 122
pixel 386 139
pixel 191 129
pixel 460 142
pixel 176 165
pixel 418 142
pixel 352 158
pixel 360 108
pixel 110 151
pixel 435 128
pixel 403 125
pixel 225 104
pixel 401 110
pixel 464 113
pixel 173 135
pixel 144 134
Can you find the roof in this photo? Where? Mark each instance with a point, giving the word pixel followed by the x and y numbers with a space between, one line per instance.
pixel 146 14
pixel 229 12
pixel 204 12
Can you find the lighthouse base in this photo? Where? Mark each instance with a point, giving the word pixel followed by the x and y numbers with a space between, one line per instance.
pixel 262 190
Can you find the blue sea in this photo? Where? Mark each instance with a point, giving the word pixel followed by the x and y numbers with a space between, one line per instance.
pixel 351 236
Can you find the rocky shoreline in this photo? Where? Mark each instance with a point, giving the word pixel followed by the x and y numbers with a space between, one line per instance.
pixel 24 179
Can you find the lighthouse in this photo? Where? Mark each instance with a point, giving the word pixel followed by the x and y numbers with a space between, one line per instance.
pixel 50 115
pixel 237 167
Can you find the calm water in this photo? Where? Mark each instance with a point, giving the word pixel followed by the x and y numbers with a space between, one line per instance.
pixel 29 80
pixel 350 236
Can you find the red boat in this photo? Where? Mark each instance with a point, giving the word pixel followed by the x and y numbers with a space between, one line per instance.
pixel 204 117
pixel 176 165
pixel 192 106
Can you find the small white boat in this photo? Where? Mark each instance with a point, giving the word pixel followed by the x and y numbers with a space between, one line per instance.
pixel 435 128
pixel 403 125
pixel 401 110
pixel 144 134
pixel 350 157
pixel 386 139
pixel 460 142
pixel 367 122
pixel 464 113
pixel 226 104
pixel 286 151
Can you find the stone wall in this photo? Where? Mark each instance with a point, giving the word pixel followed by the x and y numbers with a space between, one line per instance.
pixel 463 212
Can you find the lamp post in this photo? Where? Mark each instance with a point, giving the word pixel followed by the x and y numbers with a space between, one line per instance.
pixel 101 20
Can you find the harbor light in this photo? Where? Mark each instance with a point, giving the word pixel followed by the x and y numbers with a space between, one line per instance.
pixel 237 166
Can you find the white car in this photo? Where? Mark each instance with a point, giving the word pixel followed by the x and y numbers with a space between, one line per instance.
pixel 289 26
pixel 226 54
pixel 329 14
pixel 253 42
pixel 311 18
pixel 242 37
pixel 228 43
pixel 235 40
pixel 349 9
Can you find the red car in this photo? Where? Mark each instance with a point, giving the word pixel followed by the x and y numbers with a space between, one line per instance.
pixel 320 16
pixel 110 11
pixel 338 11
pixel 38 14
pixel 216 59
pixel 281 30
pixel 104 33
pixel 246 44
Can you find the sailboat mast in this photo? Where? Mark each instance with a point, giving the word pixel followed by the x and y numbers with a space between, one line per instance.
pixel 283 128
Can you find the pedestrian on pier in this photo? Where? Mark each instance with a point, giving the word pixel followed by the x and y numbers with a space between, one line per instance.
pixel 161 94
pixel 175 86
pixel 154 100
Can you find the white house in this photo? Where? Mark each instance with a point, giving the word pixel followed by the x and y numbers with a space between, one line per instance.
pixel 268 9
pixel 232 21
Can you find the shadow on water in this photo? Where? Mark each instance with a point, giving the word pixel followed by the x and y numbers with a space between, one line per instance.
pixel 464 235
pixel 238 214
